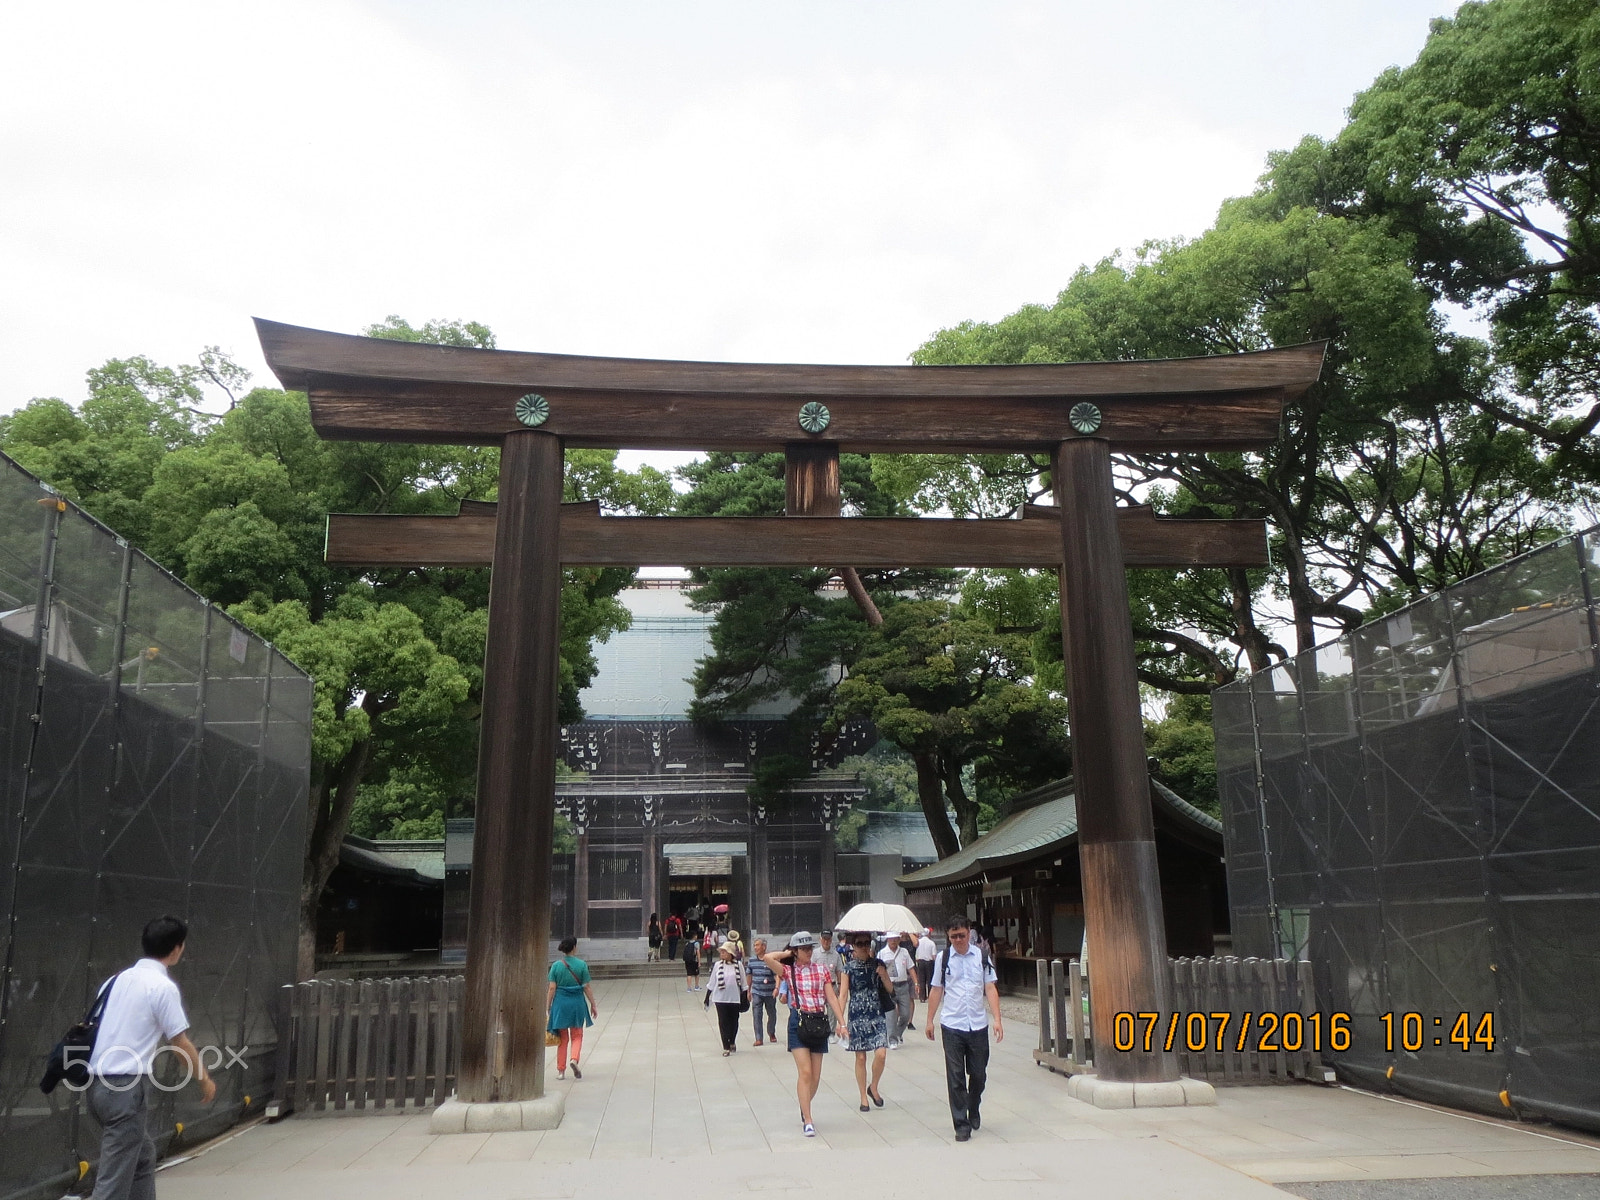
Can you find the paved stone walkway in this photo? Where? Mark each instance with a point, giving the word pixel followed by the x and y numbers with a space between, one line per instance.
pixel 660 1113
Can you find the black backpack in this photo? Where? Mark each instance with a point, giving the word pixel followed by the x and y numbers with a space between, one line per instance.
pixel 70 1058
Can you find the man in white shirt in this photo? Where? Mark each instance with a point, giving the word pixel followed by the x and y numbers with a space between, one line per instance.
pixel 964 983
pixel 142 1010
pixel 898 959
pixel 927 951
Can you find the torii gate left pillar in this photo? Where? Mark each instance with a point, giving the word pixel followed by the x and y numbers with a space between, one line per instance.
pixel 503 1013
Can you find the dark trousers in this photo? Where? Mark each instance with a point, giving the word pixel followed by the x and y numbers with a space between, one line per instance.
pixel 672 948
pixel 769 1006
pixel 966 1068
pixel 728 1023
pixel 127 1169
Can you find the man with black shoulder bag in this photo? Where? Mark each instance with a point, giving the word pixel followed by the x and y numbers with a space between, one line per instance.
pixel 142 1010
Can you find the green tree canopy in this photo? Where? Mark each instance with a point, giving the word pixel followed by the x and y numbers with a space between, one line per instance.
pixel 235 502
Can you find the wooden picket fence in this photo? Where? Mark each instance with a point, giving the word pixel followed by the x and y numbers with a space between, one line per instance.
pixel 347 1046
pixel 1243 1050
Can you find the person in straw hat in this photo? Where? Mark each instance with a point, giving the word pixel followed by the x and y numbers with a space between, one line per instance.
pixel 726 990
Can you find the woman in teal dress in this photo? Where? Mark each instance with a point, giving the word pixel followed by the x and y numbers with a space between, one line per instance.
pixel 570 1006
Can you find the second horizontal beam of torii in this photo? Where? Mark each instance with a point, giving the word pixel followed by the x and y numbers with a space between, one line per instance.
pixel 589 538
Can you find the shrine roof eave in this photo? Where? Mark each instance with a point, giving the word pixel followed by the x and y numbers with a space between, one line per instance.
pixel 372 389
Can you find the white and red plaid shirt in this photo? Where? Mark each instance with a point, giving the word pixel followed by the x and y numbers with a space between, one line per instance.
pixel 808 986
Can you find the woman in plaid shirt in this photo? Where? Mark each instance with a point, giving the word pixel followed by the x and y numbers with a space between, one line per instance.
pixel 811 994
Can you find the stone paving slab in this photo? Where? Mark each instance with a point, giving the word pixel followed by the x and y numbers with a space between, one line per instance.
pixel 659 1105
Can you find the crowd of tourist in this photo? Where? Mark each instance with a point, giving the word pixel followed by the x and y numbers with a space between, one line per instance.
pixel 857 996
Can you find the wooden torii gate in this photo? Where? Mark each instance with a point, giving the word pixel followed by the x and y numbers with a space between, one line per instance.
pixel 532 405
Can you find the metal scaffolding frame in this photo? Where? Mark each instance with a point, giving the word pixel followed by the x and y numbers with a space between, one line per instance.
pixel 1416 808
pixel 154 758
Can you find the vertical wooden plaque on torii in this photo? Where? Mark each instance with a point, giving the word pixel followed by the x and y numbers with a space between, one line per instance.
pixel 532 405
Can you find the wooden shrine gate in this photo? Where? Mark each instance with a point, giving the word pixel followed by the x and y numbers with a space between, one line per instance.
pixel 532 405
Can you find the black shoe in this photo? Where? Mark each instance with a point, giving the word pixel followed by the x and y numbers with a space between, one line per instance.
pixel 975 1121
pixel 963 1135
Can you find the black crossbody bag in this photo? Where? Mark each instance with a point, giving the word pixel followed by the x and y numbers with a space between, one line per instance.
pixel 813 1026
pixel 70 1058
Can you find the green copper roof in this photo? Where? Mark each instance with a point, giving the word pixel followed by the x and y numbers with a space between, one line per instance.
pixel 1041 820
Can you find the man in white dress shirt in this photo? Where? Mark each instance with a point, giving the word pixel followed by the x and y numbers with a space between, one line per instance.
pixel 964 983
pixel 142 1011
pixel 927 951
pixel 898 959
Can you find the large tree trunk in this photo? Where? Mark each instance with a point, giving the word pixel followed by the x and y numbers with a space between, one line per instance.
pixel 332 803
pixel 1246 633
pixel 930 791
pixel 966 808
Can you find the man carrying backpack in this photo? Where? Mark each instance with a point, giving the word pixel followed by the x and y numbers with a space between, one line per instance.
pixel 964 984
pixel 142 1009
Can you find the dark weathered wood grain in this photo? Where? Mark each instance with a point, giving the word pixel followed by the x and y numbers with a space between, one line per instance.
pixel 373 389
pixel 811 479
pixel 1116 839
pixel 473 415
pixel 297 354
pixel 508 930
pixel 589 539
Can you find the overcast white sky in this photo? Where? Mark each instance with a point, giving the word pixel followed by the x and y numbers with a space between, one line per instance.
pixel 816 182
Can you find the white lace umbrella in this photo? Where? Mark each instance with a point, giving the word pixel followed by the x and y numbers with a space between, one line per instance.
pixel 879 918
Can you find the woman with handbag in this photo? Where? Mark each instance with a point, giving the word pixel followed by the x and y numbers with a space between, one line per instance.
pixel 864 987
pixel 570 1006
pixel 729 990
pixel 813 1008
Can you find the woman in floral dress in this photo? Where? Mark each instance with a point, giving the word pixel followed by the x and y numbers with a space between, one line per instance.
pixel 867 1030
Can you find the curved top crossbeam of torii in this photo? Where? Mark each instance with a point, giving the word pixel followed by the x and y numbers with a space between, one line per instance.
pixel 372 389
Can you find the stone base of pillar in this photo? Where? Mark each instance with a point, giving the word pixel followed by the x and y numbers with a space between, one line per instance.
pixel 456 1116
pixel 1111 1093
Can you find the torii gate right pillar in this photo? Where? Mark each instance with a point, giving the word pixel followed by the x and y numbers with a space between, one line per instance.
pixel 1116 838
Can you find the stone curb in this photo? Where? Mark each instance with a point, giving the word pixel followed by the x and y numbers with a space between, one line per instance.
pixel 456 1116
pixel 1110 1093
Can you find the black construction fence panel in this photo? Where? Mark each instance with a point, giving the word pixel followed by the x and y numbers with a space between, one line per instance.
pixel 1248 894
pixel 1417 807
pixel 154 758
pixel 54 922
pixel 1346 950
pixel 1336 787
pixel 1427 820
pixel 1539 765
